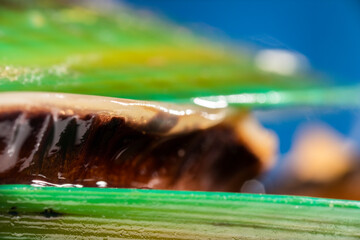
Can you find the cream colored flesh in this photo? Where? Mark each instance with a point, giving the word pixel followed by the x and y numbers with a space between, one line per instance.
pixel 262 142
pixel 189 117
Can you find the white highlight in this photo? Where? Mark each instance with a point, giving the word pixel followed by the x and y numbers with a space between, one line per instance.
pixel 243 98
pixel 219 103
pixel 101 184
pixel 280 61
pixel 40 183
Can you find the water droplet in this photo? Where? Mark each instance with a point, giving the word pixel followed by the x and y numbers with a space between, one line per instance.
pixel 101 184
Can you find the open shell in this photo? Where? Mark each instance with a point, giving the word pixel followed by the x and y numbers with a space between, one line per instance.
pixel 80 139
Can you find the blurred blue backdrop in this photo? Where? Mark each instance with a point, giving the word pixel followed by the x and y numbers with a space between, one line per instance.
pixel 327 32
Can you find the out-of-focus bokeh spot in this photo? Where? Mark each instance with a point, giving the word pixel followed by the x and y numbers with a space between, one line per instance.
pixel 320 154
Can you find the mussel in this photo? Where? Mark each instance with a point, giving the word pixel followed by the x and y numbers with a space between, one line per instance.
pixel 90 49
pixel 83 140
pixel 107 112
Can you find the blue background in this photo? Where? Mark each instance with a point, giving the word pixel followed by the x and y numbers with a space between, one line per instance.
pixel 327 32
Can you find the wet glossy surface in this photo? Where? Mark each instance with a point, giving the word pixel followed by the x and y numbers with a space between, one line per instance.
pixel 88 149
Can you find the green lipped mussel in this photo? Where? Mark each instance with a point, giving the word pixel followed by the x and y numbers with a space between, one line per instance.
pixel 87 140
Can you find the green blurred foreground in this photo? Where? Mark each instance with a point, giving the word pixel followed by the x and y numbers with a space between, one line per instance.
pixel 119 52
pixel 71 213
pixel 47 46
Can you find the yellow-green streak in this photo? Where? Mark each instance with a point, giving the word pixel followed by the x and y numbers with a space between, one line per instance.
pixel 119 52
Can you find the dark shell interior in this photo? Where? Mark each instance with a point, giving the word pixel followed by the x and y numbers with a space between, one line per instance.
pixel 61 149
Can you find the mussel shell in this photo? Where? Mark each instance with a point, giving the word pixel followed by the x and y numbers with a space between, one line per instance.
pixel 79 139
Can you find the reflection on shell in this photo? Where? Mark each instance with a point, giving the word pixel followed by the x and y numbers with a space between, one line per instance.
pixel 99 141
